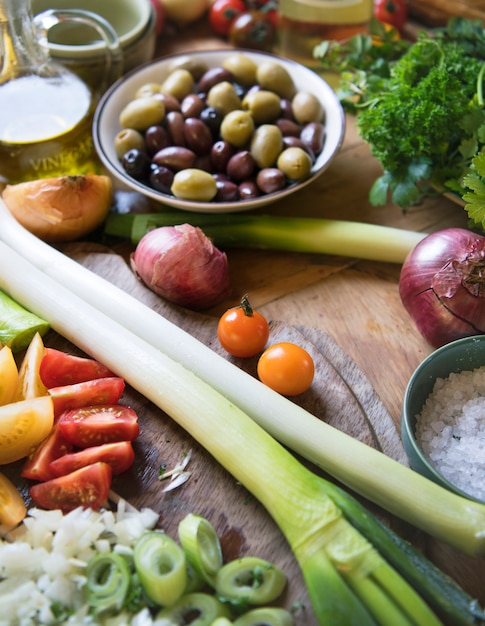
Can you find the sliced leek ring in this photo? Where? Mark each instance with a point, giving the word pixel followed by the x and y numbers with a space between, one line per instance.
pixel 251 580
pixel 196 609
pixel 202 547
pixel 161 567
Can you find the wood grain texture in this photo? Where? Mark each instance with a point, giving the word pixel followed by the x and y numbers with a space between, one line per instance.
pixel 438 12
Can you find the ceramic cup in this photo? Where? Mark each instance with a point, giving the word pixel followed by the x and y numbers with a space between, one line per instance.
pixel 79 47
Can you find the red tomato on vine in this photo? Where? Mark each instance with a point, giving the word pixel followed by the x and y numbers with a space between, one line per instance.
pixel 222 14
pixel 393 12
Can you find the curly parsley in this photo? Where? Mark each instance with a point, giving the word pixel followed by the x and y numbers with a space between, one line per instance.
pixel 419 105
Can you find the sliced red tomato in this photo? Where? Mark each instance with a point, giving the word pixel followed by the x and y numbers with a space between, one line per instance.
pixel 12 506
pixel 87 487
pixel 37 465
pixel 88 393
pixel 95 425
pixel 59 368
pixel 119 455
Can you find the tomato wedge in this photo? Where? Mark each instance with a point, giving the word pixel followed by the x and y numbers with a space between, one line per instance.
pixel 9 376
pixel 87 487
pixel 12 506
pixel 88 393
pixel 29 382
pixel 119 455
pixel 60 368
pixel 95 425
pixel 23 425
pixel 37 466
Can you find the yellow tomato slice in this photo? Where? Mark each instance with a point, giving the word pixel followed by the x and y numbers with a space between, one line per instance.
pixel 30 384
pixel 9 376
pixel 12 506
pixel 23 425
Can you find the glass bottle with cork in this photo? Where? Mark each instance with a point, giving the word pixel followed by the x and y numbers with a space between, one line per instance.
pixel 303 24
pixel 46 110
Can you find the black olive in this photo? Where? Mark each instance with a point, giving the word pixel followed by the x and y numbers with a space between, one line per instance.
pixel 136 164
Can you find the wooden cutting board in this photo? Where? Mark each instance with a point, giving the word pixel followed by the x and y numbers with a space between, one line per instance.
pixel 340 395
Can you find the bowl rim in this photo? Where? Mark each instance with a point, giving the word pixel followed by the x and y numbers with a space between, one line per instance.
pixel 105 110
pixel 416 455
pixel 96 49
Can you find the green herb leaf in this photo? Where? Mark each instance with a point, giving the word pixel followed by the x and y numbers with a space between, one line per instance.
pixel 419 104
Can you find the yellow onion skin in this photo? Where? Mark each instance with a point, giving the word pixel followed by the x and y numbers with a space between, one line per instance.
pixel 442 285
pixel 61 209
pixel 181 264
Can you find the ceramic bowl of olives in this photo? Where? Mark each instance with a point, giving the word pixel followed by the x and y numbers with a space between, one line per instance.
pixel 218 131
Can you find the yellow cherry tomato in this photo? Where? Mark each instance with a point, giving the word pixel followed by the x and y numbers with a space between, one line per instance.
pixel 286 368
pixel 12 506
pixel 8 376
pixel 23 425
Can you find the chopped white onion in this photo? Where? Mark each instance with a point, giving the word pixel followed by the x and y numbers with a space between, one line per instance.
pixel 43 561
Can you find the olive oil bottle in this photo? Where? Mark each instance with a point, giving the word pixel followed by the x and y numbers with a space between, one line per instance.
pixel 46 111
pixel 303 24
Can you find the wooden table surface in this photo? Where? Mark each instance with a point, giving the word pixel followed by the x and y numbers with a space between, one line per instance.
pixel 355 302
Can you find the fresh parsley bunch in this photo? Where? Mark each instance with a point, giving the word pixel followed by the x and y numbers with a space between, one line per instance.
pixel 420 107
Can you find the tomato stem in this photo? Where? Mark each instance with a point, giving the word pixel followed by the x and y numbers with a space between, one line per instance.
pixel 246 306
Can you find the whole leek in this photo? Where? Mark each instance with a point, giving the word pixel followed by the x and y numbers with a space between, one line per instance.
pixel 367 471
pixel 348 581
pixel 403 493
pixel 321 236
pixel 17 325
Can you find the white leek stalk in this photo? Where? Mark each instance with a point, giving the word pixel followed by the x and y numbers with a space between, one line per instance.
pixel 393 486
pixel 348 581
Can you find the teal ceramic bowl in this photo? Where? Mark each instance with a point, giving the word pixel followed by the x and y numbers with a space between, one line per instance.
pixel 457 356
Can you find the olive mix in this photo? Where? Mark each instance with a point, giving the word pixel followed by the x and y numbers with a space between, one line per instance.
pixel 223 134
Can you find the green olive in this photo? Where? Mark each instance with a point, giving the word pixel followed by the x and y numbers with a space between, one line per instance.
pixel 266 145
pixel 197 67
pixel 307 107
pixel 273 76
pixel 295 163
pixel 127 139
pixel 242 67
pixel 178 83
pixel 264 105
pixel 223 96
pixel 148 89
pixel 142 113
pixel 237 128
pixel 194 184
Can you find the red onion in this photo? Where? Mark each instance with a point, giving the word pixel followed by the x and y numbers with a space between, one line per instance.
pixel 442 285
pixel 181 264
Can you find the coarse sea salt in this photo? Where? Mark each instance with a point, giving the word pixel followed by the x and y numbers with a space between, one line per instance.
pixel 451 430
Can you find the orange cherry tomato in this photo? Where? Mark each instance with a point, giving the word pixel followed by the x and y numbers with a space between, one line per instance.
pixel 286 368
pixel 242 331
